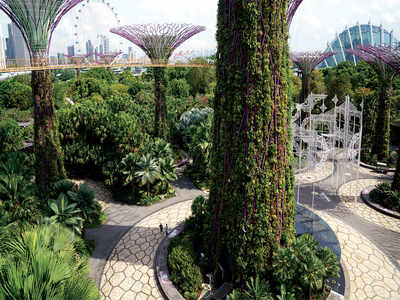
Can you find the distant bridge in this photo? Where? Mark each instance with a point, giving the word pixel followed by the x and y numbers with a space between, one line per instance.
pixel 25 65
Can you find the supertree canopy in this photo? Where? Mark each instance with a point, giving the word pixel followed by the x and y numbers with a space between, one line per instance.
pixel 384 62
pixel 251 201
pixel 158 41
pixel 291 10
pixel 37 20
pixel 307 62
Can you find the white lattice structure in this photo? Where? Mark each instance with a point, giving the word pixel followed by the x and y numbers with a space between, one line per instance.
pixel 319 135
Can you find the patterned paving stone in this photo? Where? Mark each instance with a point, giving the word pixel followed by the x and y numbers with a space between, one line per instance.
pixel 320 172
pixel 128 273
pixel 371 273
pixel 358 207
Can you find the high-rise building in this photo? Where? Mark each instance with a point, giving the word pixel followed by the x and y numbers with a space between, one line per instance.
pixel 2 52
pixel 106 45
pixel 89 47
pixel 71 50
pixel 131 54
pixel 16 46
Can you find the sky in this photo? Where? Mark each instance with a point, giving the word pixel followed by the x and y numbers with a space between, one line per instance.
pixel 315 23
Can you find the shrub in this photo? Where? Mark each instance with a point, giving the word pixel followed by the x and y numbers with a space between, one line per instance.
pixel 304 268
pixel 178 88
pixel 17 192
pixel 182 267
pixel 385 196
pixel 11 136
pixel 41 263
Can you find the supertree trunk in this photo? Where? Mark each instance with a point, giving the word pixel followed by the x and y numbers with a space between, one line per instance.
pixel 396 179
pixel 160 117
pixel 381 145
pixel 49 159
pixel 252 197
pixel 305 87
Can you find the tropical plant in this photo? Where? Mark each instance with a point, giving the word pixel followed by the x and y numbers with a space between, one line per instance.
pixel 65 213
pixel 257 290
pixel 11 136
pixel 41 263
pixel 148 171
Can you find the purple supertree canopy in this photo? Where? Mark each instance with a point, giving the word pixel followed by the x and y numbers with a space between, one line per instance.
pixel 37 19
pixel 386 54
pixel 308 61
pixel 158 41
pixel 291 10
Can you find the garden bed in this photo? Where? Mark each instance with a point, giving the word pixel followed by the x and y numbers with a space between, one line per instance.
pixel 367 200
pixel 306 223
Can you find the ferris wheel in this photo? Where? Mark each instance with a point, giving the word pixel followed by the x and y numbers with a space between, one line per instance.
pixel 85 21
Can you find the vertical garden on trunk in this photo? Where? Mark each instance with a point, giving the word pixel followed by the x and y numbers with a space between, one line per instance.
pixel 37 20
pixel 252 197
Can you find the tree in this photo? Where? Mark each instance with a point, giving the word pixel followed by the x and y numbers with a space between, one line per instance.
pixel 100 73
pixel 158 42
pixel 317 82
pixel 386 75
pixel 37 20
pixel 178 88
pixel 251 197
pixel 307 62
pixel 148 172
pixel 200 79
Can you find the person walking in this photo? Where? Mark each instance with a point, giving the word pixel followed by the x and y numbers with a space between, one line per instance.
pixel 161 227
pixel 166 229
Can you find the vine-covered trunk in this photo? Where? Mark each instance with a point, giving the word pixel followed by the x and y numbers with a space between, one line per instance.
pixel 305 87
pixel 252 198
pixel 381 146
pixel 396 179
pixel 49 165
pixel 160 117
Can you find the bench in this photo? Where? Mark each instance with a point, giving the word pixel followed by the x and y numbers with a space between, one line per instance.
pixel 381 167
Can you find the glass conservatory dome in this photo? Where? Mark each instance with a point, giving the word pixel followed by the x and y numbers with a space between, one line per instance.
pixel 351 37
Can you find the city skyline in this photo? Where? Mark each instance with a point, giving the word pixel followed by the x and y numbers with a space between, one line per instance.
pixel 315 22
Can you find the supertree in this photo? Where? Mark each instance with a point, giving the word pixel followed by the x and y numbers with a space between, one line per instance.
pixel 307 62
pixel 158 41
pixel 251 198
pixel 383 61
pixel 37 20
pixel 291 10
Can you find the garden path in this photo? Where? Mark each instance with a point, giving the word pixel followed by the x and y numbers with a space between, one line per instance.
pixel 370 249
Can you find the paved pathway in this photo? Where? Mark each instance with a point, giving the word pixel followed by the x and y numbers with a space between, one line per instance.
pixel 370 245
pixel 122 217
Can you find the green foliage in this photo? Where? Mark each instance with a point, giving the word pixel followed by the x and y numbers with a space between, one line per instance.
pixel 60 89
pixel 63 74
pixel 100 73
pixel 147 171
pixel 178 88
pixel 200 79
pixel 304 267
pixel 17 201
pixel 84 88
pixel 84 198
pixel 16 114
pixel 65 213
pixel 41 263
pixel 385 196
pixel 185 274
pixel 11 136
pixel 15 94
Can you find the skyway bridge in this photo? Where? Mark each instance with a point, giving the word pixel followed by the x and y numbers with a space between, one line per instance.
pixel 26 65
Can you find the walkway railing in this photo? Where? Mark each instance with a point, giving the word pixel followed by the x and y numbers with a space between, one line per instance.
pixel 24 65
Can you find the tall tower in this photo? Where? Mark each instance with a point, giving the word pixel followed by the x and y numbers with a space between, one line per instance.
pixel 71 50
pixel 16 46
pixel 2 51
pixel 106 44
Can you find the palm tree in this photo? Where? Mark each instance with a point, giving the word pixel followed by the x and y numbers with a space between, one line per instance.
pixel 148 171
